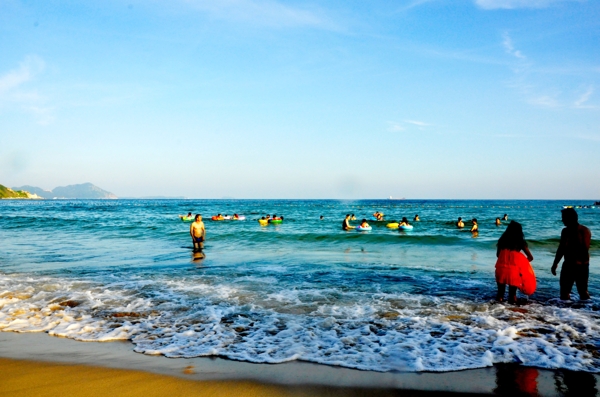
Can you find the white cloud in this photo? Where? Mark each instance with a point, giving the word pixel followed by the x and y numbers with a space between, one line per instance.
pixel 263 12
pixel 395 127
pixel 580 103
pixel 545 101
pixel 510 48
pixel 513 4
pixel 420 124
pixel 27 70
pixel 14 94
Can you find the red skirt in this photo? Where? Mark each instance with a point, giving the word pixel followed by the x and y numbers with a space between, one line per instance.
pixel 514 269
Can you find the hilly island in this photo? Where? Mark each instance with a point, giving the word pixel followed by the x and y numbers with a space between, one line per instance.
pixel 78 191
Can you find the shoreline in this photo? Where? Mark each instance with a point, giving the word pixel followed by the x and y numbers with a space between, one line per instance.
pixel 47 357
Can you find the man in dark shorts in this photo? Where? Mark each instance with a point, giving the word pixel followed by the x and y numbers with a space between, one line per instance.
pixel 575 248
pixel 198 233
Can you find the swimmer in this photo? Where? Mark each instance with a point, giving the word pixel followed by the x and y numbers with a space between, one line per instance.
pixel 474 228
pixel 268 217
pixel 364 223
pixel 460 224
pixel 198 233
pixel 188 216
pixel 346 223
pixel 352 217
pixel 498 222
pixel 321 218
pixel 236 216
pixel 505 217
pixel 417 219
pixel 403 222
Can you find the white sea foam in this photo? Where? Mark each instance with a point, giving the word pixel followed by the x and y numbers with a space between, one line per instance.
pixel 381 331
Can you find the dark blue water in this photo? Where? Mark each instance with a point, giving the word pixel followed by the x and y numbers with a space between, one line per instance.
pixel 304 290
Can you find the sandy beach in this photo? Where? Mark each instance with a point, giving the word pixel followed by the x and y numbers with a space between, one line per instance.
pixel 40 365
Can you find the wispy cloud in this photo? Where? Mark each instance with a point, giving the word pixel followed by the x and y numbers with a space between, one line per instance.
pixel 268 13
pixel 412 4
pixel 420 124
pixel 395 127
pixel 405 124
pixel 514 4
pixel 14 90
pixel 510 48
pixel 584 98
pixel 26 71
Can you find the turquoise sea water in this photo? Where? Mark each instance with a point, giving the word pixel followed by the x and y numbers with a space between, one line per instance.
pixel 384 300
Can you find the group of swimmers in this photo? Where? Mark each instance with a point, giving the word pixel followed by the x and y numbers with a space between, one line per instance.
pixel 226 217
pixel 511 269
pixel 265 220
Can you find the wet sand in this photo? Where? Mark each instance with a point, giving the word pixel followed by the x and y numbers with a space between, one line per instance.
pixel 40 365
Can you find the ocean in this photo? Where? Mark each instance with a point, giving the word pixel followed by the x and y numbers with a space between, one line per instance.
pixel 384 300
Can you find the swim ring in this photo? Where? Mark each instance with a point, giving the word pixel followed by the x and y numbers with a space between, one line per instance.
pixel 275 221
pixel 239 218
pixel 216 218
pixel 186 219
pixel 263 222
pixel 407 227
pixel 364 229
pixel 393 225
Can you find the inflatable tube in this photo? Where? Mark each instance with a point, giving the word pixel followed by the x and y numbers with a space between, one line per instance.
pixel 275 221
pixel 263 222
pixel 407 227
pixel 514 269
pixel 239 218
pixel 364 229
pixel 216 218
pixel 186 219
pixel 227 218
pixel 393 225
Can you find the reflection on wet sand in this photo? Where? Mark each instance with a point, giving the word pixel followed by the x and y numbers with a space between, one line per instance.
pixel 574 383
pixel 513 380
pixel 519 381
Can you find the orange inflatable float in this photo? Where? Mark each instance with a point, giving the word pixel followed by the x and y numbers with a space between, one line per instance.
pixel 514 269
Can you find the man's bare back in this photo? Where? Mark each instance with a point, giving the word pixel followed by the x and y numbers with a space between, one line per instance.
pixel 198 233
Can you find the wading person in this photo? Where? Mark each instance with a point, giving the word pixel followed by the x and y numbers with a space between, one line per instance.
pixel 575 248
pixel 512 268
pixel 346 223
pixel 198 233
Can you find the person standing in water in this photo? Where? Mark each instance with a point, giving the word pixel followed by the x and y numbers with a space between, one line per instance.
pixel 460 224
pixel 505 217
pixel 417 219
pixel 498 222
pixel 346 223
pixel 575 248
pixel 198 233
pixel 512 239
pixel 475 227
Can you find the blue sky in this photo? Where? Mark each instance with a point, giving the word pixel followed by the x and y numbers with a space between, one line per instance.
pixel 329 99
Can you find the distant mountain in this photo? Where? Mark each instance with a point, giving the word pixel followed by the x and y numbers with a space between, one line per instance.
pixel 47 194
pixel 6 192
pixel 80 191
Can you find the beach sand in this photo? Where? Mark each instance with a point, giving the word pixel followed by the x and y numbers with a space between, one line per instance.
pixel 40 365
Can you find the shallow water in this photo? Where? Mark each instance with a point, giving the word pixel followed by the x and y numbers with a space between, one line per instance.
pixel 304 290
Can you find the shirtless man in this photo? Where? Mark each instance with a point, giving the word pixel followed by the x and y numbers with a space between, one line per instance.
pixel 346 223
pixel 575 248
pixel 198 233
pixel 460 224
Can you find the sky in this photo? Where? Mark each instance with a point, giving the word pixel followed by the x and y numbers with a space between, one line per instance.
pixel 416 99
